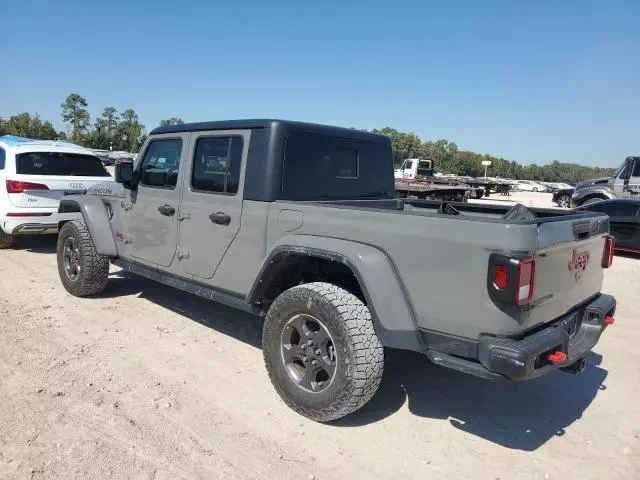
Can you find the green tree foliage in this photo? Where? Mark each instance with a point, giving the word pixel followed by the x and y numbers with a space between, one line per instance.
pixel 105 130
pixel 130 130
pixel 167 122
pixel 448 159
pixel 123 131
pixel 75 113
pixel 26 125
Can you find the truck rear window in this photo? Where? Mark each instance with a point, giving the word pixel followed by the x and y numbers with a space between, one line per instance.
pixel 60 164
pixel 326 167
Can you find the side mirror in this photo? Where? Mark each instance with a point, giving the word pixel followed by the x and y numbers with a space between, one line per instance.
pixel 124 174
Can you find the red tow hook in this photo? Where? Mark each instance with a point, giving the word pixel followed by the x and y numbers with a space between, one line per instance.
pixel 608 320
pixel 557 357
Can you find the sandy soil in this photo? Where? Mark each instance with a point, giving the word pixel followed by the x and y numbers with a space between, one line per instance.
pixel 147 382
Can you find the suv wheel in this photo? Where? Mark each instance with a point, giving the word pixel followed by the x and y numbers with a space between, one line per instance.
pixel 321 351
pixel 563 201
pixel 6 240
pixel 82 270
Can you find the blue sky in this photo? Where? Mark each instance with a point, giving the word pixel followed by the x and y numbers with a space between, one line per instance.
pixel 531 81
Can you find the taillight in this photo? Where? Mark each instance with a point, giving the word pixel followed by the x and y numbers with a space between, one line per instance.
pixel 526 278
pixel 511 279
pixel 16 186
pixel 501 276
pixel 607 252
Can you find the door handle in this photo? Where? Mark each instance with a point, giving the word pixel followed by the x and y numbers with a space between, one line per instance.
pixel 167 210
pixel 220 218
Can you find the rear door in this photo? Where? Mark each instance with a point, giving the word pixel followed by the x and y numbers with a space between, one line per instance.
pixel 152 222
pixel 42 178
pixel 212 199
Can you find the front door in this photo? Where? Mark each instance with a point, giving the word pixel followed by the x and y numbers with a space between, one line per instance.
pixel 212 199
pixel 152 223
pixel 633 187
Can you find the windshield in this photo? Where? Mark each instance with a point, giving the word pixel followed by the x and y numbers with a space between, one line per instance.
pixel 623 170
pixel 60 164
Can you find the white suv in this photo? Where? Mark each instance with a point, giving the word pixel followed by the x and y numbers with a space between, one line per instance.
pixel 34 176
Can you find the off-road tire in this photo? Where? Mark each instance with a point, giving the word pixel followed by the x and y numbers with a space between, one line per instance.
pixel 564 201
pixel 359 353
pixel 6 240
pixel 94 268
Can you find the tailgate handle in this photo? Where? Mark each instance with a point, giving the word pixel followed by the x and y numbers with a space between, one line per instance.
pixel 581 230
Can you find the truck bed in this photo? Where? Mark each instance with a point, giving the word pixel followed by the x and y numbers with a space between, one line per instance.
pixel 441 251
pixel 470 211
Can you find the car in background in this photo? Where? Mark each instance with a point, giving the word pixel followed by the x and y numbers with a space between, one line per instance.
pixel 530 186
pixel 34 176
pixel 562 197
pixel 624 221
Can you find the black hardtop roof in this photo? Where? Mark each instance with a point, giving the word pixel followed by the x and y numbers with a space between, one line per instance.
pixel 269 123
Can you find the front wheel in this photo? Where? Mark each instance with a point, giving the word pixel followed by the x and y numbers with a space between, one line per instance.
pixel 82 270
pixel 564 201
pixel 321 352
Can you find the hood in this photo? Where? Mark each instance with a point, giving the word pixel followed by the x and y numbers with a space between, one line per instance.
pixel 594 181
pixel 107 189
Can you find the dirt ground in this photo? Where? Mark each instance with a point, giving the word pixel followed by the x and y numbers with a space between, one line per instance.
pixel 148 383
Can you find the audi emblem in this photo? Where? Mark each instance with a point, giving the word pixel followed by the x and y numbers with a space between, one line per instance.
pixel 76 185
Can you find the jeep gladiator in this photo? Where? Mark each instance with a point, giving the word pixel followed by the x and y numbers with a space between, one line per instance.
pixel 299 223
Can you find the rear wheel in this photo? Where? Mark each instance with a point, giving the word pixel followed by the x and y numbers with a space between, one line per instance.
pixel 321 351
pixel 564 201
pixel 82 270
pixel 6 240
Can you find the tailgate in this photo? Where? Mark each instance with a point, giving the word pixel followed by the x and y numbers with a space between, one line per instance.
pixel 568 264
pixel 34 196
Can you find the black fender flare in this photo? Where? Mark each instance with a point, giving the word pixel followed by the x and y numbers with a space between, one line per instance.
pixel 96 218
pixel 393 316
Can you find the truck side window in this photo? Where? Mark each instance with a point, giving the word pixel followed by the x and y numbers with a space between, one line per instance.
pixel 636 169
pixel 161 163
pixel 216 165
pixel 2 158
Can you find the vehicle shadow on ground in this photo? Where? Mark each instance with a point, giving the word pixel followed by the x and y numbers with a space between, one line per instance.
pixel 633 255
pixel 36 243
pixel 517 415
pixel 239 325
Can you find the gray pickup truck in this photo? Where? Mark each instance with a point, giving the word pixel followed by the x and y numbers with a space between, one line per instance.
pixel 625 183
pixel 299 223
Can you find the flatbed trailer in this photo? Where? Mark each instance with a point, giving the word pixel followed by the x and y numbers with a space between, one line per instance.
pixel 432 189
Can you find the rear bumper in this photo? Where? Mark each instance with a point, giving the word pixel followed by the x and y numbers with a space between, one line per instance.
pixel 573 334
pixel 35 225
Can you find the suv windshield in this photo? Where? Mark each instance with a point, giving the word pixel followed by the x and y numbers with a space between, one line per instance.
pixel 623 170
pixel 60 164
